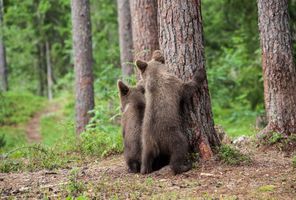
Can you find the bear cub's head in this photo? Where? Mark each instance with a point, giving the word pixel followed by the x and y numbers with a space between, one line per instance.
pixel 156 63
pixel 133 96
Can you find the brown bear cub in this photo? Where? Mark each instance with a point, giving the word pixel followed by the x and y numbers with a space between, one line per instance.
pixel 162 124
pixel 133 106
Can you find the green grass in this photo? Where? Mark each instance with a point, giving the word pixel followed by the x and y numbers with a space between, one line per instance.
pixel 54 128
pixel 266 188
pixel 235 123
pixel 59 147
pixel 294 161
pixel 16 108
pixel 13 137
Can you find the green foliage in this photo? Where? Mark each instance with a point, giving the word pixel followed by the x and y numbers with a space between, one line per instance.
pixel 102 136
pixel 17 108
pixel 28 25
pixel 105 35
pixel 101 144
pixel 236 121
pixel 55 128
pixel 266 188
pixel 233 63
pixel 75 187
pixel 34 157
pixel 13 137
pixel 232 156
pixel 281 142
pixel 294 161
pixel 274 138
pixel 2 141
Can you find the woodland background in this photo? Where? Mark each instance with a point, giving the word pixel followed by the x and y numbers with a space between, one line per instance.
pixel 40 153
pixel 38 32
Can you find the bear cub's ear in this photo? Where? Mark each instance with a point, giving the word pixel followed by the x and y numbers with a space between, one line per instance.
pixel 157 56
pixel 141 65
pixel 123 89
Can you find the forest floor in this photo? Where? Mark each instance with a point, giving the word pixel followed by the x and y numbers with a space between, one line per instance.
pixel 33 126
pixel 269 176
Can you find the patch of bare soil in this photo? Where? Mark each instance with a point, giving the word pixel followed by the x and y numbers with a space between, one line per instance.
pixel 33 126
pixel 270 176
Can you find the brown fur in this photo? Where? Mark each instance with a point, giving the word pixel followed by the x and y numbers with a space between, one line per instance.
pixel 162 124
pixel 133 106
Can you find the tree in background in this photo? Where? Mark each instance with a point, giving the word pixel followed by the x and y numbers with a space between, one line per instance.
pixel 3 64
pixel 125 37
pixel 181 40
pixel 83 60
pixel 27 28
pixel 279 71
pixel 145 28
pixel 48 71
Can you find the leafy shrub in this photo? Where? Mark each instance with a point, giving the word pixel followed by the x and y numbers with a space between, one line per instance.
pixel 231 156
pixel 102 136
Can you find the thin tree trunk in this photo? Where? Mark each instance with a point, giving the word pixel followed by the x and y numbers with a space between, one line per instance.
pixel 49 72
pixel 181 40
pixel 3 63
pixel 41 70
pixel 125 37
pixel 83 62
pixel 279 70
pixel 145 28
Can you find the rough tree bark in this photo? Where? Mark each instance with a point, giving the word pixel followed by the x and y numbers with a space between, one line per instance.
pixel 181 41
pixel 145 28
pixel 48 71
pixel 82 62
pixel 279 71
pixel 3 63
pixel 125 37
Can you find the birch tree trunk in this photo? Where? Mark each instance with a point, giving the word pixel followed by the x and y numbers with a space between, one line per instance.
pixel 144 28
pixel 279 71
pixel 181 41
pixel 82 44
pixel 3 63
pixel 125 37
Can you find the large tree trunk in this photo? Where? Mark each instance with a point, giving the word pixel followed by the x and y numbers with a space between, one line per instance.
pixel 82 62
pixel 279 70
pixel 125 37
pixel 3 64
pixel 49 72
pixel 145 28
pixel 181 40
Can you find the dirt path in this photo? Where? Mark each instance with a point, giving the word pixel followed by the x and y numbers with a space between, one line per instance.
pixel 33 127
pixel 270 176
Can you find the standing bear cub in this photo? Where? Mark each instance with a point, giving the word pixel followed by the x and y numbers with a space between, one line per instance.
pixel 162 124
pixel 132 106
